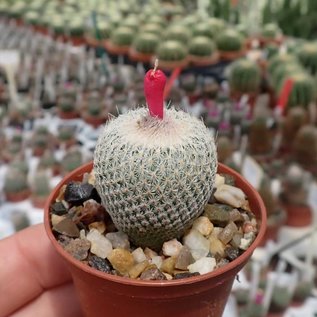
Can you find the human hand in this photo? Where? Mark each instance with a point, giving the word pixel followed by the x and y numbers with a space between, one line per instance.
pixel 33 278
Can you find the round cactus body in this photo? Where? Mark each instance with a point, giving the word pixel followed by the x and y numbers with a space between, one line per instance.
pixel 171 51
pixel 154 176
pixel 201 46
pixel 146 43
pixel 152 28
pixel 270 31
pixel 303 91
pixel 204 29
pixel 307 56
pixel 123 36
pixel 76 28
pixel 104 30
pixel 244 76
pixel 216 24
pixel 229 41
pixel 178 33
pixel 32 17
pixel 277 60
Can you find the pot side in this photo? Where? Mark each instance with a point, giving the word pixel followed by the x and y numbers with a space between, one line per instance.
pixel 114 296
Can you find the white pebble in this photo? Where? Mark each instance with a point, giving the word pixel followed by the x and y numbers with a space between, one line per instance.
pixel 119 240
pixel 172 248
pixel 219 180
pixel 82 234
pixel 230 195
pixel 203 225
pixel 203 265
pixel 197 243
pixel 100 245
pixel 157 260
pixel 139 255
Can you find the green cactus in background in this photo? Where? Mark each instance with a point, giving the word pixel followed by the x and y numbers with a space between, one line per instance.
pixel 201 46
pixel 244 76
pixel 270 31
pixel 229 41
pixel 41 186
pixel 131 22
pixel 152 28
pixel 307 55
pixel 204 29
pixel 154 193
pixel 171 51
pixel 76 28
pixel 122 36
pixel 15 181
pixel 303 91
pixel 178 33
pixel 146 43
pixel 72 160
pixel 20 166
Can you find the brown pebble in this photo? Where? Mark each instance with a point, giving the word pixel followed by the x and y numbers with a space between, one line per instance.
pixel 67 227
pixel 248 227
pixel 152 273
pixel 184 259
pixel 99 225
pixel 122 260
pixel 78 248
pixel 168 265
pixel 137 269
pixel 227 233
pixel 218 214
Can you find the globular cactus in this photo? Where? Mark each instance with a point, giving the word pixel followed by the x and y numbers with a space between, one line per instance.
pixel 146 43
pixel 171 51
pixel 305 146
pixel 270 31
pixel 244 76
pixel 152 28
pixel 307 55
pixel 282 72
pixel 178 33
pixel 203 29
pixel 40 185
pixel 201 46
pixel 277 60
pixel 131 22
pixel 217 25
pixel 154 176
pixel 15 181
pixel 303 91
pixel 76 28
pixel 31 17
pixel 122 36
pixel 57 24
pixel 229 41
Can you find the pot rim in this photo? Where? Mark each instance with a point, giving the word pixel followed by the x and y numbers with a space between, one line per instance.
pixel 80 171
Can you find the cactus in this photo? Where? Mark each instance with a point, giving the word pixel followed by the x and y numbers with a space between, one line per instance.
pixel 307 55
pixel 305 146
pixel 95 109
pixel 267 196
pixel 303 91
pixel 171 51
pixel 152 28
pixel 201 46
pixel 260 131
pixel 277 60
pixel 229 41
pixel 153 179
pixel 203 29
pixel 15 181
pixel 104 29
pixel 271 50
pixel 178 33
pixel 224 149
pixel 131 22
pixel 48 160
pixel 282 72
pixel 270 31
pixel 57 24
pixel 40 185
pixel 31 17
pixel 216 24
pixel 20 166
pixel 122 36
pixel 66 133
pixel 76 28
pixel 146 43
pixel 244 76
pixel 66 104
pixel 72 160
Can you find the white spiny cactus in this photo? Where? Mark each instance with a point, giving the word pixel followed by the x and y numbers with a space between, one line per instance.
pixel 155 176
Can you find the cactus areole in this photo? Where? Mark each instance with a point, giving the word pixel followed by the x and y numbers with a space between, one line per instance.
pixel 154 172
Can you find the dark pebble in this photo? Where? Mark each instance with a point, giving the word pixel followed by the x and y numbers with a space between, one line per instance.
pixel 67 228
pixel 231 253
pixel 218 214
pixel 58 209
pixel 77 193
pixel 179 276
pixel 100 264
pixel 229 179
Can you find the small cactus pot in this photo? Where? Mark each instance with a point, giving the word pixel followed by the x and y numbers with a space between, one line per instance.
pixel 17 197
pixel 38 201
pixel 197 296
pixel 120 41
pixel 230 45
pixel 143 47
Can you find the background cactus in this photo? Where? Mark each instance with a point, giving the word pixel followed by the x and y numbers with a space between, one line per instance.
pixel 154 178
pixel 270 31
pixel 15 182
pixel 146 43
pixel 307 55
pixel 178 33
pixel 122 36
pixel 244 76
pixel 204 29
pixel 40 185
pixel 229 41
pixel 171 51
pixel 201 46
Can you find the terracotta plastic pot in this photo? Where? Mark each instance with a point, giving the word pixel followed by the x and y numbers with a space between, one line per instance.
pixel 17 197
pixel 136 56
pixel 204 60
pixel 114 296
pixel 298 216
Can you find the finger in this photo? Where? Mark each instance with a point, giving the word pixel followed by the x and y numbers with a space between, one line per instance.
pixel 28 266
pixel 57 302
